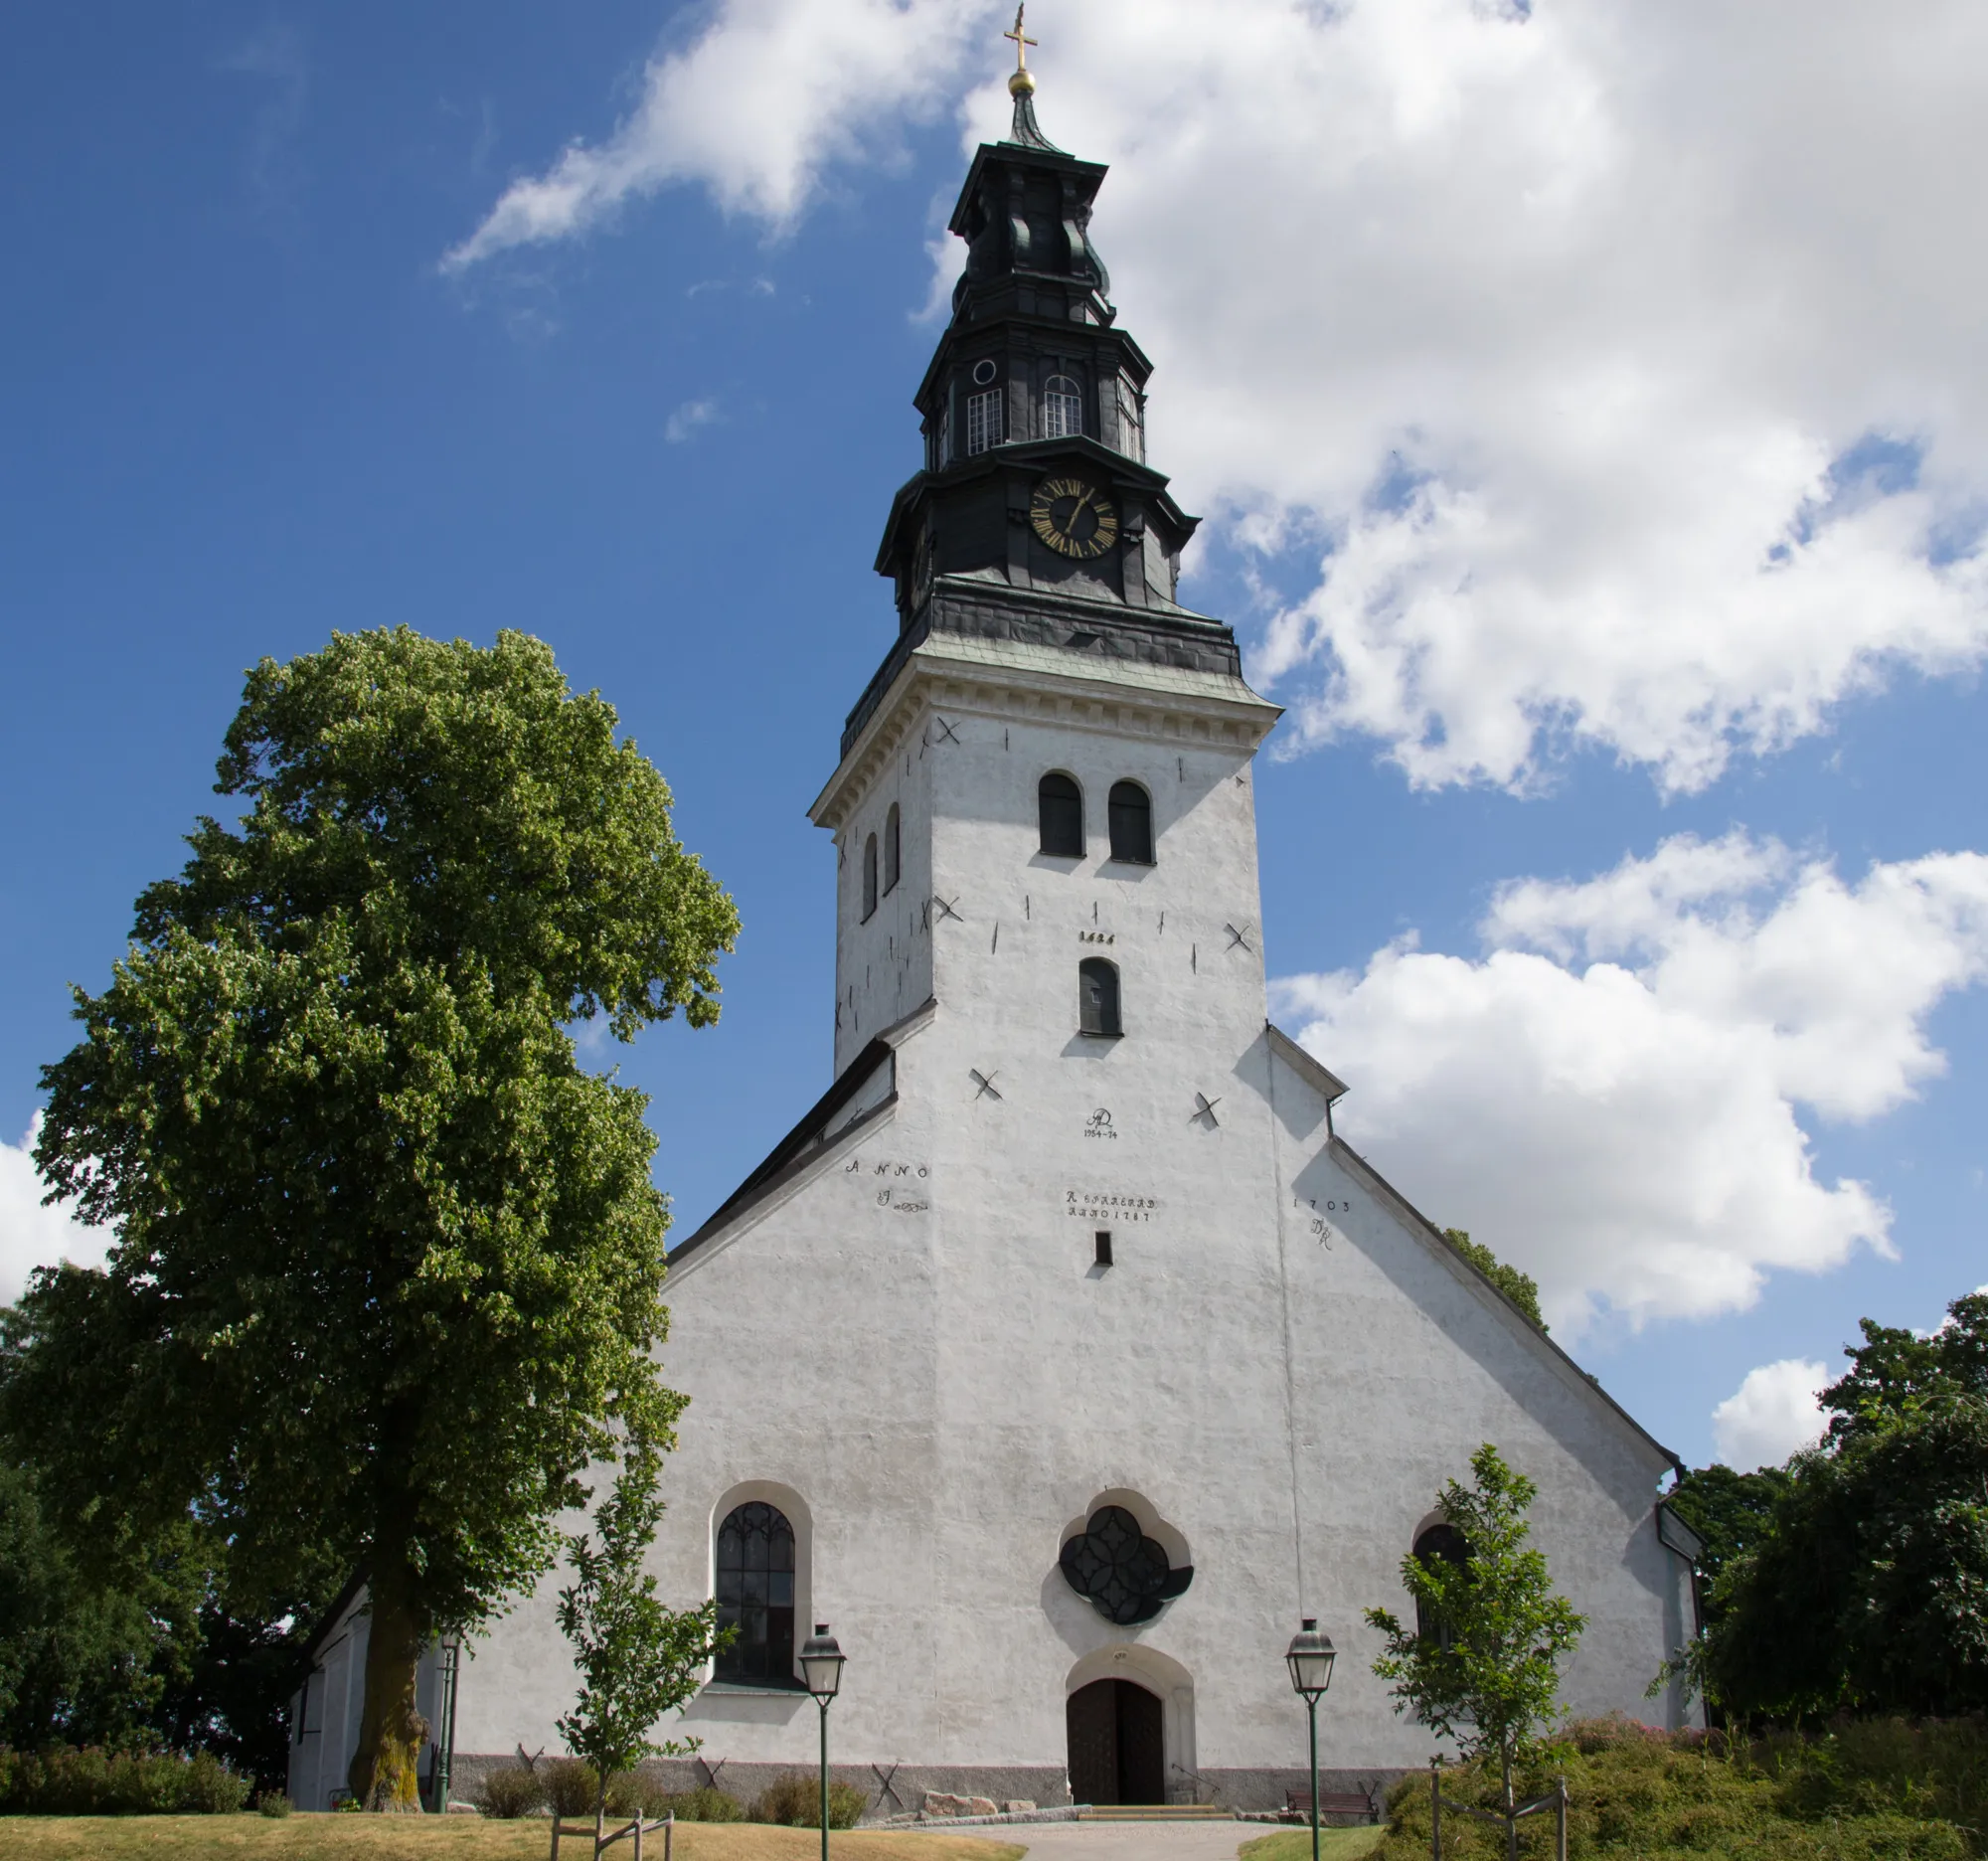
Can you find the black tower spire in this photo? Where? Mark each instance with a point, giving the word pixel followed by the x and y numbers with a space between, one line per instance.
pixel 1036 517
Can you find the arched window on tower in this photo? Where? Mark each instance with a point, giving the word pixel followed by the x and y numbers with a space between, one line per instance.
pixel 893 850
pixel 1444 1544
pixel 869 878
pixel 1060 810
pixel 1131 812
pixel 1062 407
pixel 1098 997
pixel 756 1595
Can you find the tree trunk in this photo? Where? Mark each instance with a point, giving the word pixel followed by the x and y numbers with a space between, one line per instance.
pixel 385 1768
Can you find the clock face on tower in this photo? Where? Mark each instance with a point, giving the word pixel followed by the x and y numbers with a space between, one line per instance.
pixel 1074 518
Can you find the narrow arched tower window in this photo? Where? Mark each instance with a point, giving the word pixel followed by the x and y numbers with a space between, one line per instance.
pixel 869 877
pixel 755 1569
pixel 1098 997
pixel 1060 810
pixel 1131 811
pixel 1062 407
pixel 893 850
pixel 1444 1544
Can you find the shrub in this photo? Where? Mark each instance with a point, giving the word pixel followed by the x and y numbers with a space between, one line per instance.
pixel 1870 1792
pixel 708 1804
pixel 795 1800
pixel 66 1782
pixel 273 1804
pixel 511 1790
pixel 573 1787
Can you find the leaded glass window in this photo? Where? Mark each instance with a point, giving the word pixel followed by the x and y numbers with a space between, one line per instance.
pixel 756 1596
pixel 1062 407
pixel 983 421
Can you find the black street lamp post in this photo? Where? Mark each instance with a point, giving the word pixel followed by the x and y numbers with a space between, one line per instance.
pixel 1310 1658
pixel 821 1672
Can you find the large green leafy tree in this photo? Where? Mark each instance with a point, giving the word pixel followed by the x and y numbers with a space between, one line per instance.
pixel 1482 1663
pixel 387 1267
pixel 1868 1591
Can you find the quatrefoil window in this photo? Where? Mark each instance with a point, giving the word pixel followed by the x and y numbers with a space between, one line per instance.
pixel 1125 1575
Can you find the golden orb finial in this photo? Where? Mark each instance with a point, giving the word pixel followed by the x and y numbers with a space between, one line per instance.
pixel 1021 83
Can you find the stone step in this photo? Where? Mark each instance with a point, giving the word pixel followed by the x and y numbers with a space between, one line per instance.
pixel 1153 1812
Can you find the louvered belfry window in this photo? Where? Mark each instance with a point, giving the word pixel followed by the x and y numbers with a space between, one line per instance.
pixel 1131 811
pixel 1059 812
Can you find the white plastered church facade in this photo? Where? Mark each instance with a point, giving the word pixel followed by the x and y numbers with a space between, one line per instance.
pixel 1062 1357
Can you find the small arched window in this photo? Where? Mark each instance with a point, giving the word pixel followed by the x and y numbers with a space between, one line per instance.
pixel 756 1596
pixel 893 850
pixel 1098 997
pixel 869 878
pixel 1440 1544
pixel 1062 407
pixel 1131 811
pixel 1059 808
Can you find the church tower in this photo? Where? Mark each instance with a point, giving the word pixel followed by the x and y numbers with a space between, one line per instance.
pixel 1099 803
pixel 1060 1356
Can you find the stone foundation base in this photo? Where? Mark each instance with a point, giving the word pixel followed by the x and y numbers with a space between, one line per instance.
pixel 900 1789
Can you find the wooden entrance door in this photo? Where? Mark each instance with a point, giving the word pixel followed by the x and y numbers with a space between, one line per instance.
pixel 1118 1743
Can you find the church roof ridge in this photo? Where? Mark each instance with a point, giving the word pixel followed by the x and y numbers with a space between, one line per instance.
pixel 1427 1231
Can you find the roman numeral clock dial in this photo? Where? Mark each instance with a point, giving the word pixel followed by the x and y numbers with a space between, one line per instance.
pixel 1074 518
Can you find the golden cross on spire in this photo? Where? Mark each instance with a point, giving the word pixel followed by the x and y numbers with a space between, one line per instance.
pixel 1022 43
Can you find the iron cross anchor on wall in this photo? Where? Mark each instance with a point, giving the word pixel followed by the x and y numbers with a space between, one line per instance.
pixel 985 1081
pixel 1204 1108
pixel 1241 937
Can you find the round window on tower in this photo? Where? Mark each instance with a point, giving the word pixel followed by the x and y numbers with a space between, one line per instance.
pixel 983 371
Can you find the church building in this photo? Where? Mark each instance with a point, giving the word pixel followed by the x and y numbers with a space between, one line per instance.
pixel 1062 1357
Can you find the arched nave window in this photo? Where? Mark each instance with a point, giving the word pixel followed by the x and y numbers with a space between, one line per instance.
pixel 893 849
pixel 1131 811
pixel 869 878
pixel 1444 1544
pixel 1060 812
pixel 756 1595
pixel 1098 997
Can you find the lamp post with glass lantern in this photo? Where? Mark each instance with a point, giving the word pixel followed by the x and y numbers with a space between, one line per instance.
pixel 1310 1658
pixel 821 1673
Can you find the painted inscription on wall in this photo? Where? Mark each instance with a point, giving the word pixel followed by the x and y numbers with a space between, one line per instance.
pixel 1316 1214
pixel 900 1187
pixel 1109 1205
pixel 1098 1124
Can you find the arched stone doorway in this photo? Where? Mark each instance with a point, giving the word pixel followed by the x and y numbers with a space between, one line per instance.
pixel 1118 1743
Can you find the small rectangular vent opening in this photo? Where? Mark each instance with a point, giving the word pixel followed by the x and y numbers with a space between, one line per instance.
pixel 1103 1239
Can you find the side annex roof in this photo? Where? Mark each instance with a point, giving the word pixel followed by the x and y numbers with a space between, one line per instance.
pixel 844 1106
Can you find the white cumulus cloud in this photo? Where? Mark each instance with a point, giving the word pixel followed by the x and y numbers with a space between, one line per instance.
pixel 1610 1094
pixel 1599 375
pixel 31 1235
pixel 1770 1415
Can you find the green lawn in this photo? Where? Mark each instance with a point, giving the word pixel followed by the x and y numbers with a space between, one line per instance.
pixel 1294 1844
pixel 440 1838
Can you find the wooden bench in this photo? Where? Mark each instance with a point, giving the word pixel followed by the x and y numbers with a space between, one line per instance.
pixel 1357 1804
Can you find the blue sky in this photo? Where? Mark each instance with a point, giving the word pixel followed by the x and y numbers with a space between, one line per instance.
pixel 1610 534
